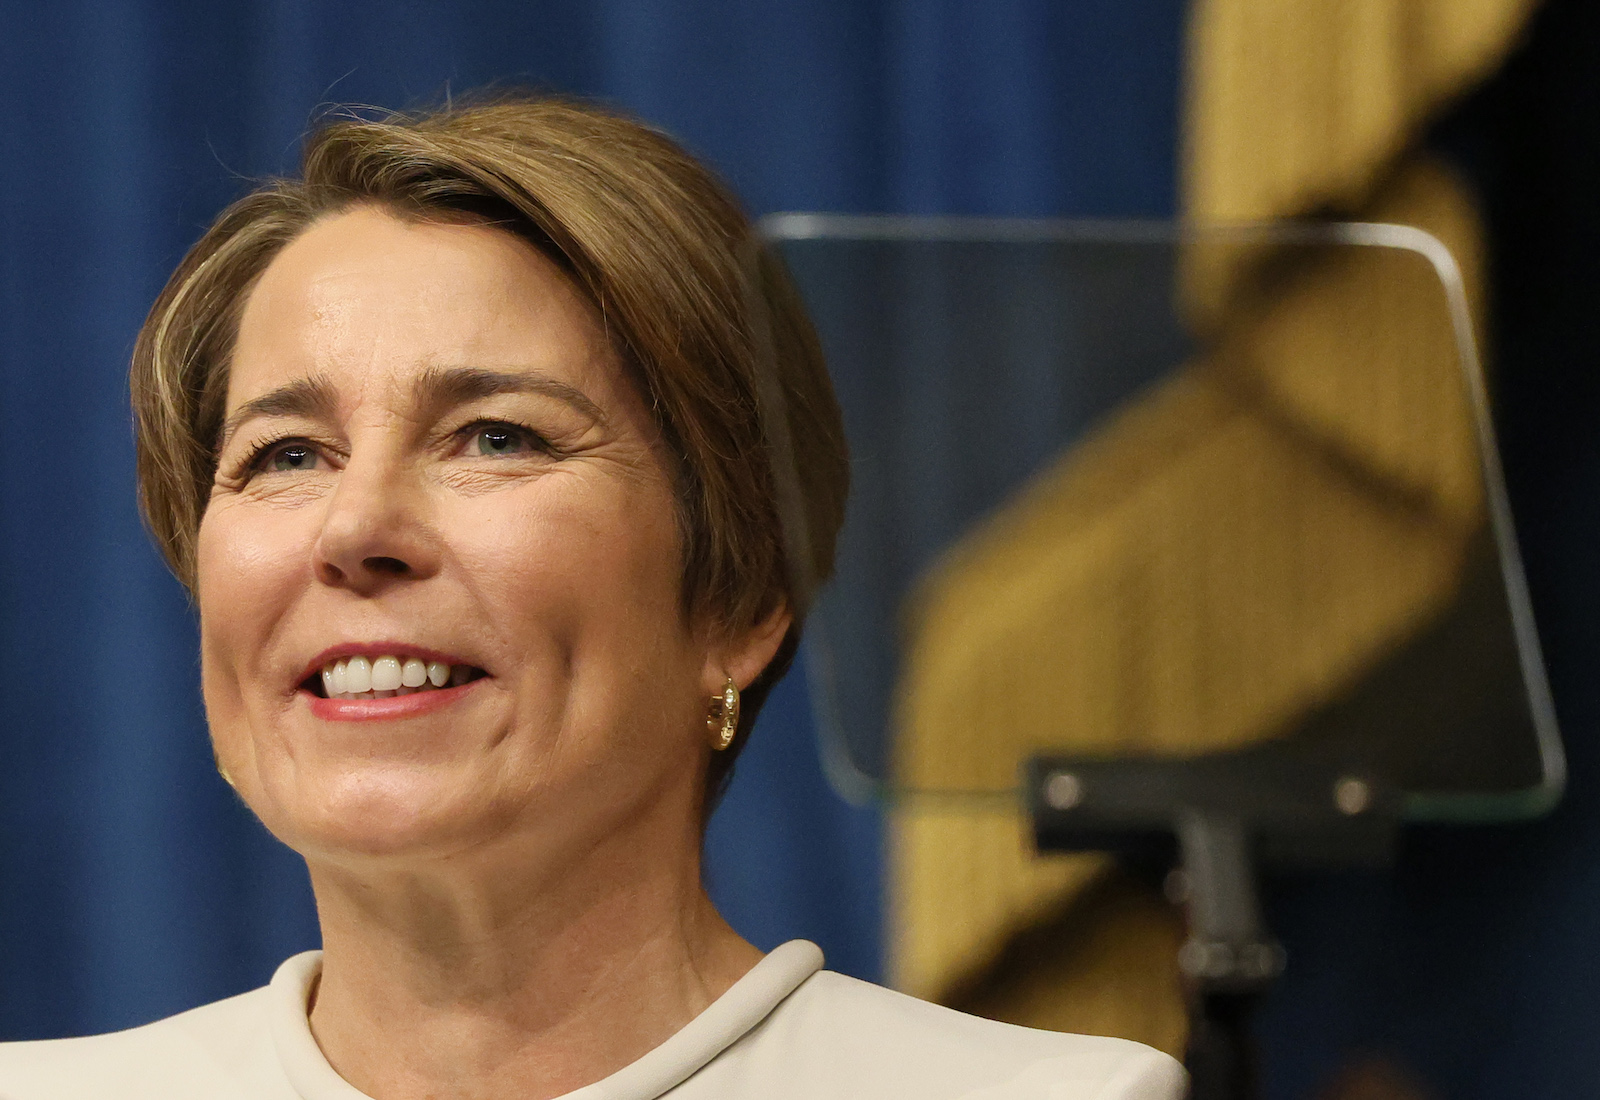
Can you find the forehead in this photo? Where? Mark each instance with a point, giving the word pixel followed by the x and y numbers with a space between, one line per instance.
pixel 366 298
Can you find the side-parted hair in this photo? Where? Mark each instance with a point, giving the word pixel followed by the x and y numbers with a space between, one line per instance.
pixel 704 319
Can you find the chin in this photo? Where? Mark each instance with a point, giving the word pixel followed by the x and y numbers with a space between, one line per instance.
pixel 386 812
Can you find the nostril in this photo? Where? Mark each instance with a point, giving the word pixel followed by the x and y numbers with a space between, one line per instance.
pixel 393 566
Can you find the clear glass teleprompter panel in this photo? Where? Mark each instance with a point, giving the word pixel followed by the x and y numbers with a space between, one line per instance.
pixel 1127 489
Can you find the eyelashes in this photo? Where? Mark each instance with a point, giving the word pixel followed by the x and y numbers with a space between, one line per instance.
pixel 285 454
pixel 497 438
pixel 256 457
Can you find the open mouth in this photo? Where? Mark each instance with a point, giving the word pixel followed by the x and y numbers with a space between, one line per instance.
pixel 386 676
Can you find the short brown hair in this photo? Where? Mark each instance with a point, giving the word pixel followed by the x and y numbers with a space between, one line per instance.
pixel 705 320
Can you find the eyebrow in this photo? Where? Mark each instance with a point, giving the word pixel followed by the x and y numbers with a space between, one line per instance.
pixel 437 388
pixel 444 387
pixel 308 397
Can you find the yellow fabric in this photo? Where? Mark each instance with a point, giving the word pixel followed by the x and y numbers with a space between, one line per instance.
pixel 1298 106
pixel 1114 946
pixel 1225 552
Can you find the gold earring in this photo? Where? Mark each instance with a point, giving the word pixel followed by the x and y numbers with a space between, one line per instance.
pixel 723 722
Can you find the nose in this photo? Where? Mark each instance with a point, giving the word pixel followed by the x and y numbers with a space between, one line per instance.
pixel 377 530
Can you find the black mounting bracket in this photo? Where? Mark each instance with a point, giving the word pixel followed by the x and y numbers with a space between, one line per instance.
pixel 1217 818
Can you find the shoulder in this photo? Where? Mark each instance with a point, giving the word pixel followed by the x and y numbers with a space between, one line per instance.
pixel 206 1052
pixel 838 1036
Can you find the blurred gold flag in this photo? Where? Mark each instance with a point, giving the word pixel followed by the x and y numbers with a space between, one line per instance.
pixel 1321 451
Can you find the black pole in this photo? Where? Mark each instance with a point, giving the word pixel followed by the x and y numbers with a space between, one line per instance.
pixel 1221 1057
pixel 1229 959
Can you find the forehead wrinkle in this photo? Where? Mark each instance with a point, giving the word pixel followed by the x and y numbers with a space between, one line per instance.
pixel 445 387
pixel 312 398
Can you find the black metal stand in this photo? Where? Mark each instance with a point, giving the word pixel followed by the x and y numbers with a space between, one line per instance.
pixel 1221 1057
pixel 1229 960
pixel 1216 818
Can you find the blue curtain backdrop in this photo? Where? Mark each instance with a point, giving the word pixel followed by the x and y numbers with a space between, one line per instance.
pixel 133 885
pixel 131 882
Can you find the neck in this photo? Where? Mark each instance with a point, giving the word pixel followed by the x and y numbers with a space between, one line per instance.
pixel 486 983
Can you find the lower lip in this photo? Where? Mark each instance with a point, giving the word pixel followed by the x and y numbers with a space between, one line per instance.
pixel 398 706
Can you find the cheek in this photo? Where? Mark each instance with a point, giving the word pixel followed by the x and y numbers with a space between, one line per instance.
pixel 247 569
pixel 588 586
pixel 602 556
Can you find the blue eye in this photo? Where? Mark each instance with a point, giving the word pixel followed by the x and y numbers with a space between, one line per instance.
pixel 500 439
pixel 295 456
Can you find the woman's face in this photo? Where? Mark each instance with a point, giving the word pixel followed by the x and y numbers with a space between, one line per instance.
pixel 434 463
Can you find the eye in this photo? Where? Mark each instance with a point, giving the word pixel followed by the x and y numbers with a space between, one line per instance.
pixel 498 440
pixel 291 456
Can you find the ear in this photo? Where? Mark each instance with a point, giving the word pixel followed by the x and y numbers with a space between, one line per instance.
pixel 742 656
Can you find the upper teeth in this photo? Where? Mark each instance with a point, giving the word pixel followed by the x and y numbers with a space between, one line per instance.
pixel 382 677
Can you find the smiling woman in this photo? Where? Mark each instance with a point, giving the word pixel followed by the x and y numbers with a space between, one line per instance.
pixel 463 445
